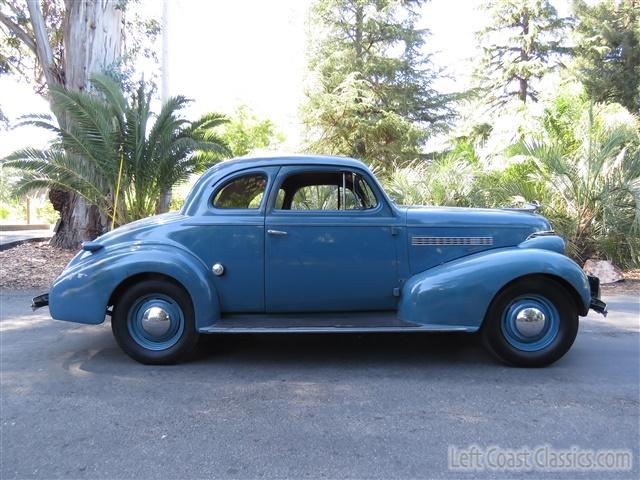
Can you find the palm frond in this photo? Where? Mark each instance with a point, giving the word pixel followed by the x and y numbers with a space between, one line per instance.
pixel 97 129
pixel 208 121
pixel 111 90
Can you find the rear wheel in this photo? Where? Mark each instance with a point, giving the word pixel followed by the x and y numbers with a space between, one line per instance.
pixel 531 323
pixel 154 323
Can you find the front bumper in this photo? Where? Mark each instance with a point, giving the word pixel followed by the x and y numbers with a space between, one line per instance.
pixel 596 305
pixel 40 301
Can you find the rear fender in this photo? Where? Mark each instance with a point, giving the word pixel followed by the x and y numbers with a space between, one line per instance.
pixel 458 293
pixel 82 292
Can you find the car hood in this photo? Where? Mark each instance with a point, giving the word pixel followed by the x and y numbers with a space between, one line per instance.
pixel 458 217
pixel 437 235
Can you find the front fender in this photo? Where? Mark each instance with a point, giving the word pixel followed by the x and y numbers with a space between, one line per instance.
pixel 81 293
pixel 458 293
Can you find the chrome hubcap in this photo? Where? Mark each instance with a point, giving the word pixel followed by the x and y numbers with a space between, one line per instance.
pixel 530 321
pixel 156 321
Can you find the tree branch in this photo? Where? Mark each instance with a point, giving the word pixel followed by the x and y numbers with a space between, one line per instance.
pixel 43 47
pixel 18 32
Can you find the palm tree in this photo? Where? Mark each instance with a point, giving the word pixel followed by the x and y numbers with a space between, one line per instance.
pixel 106 137
pixel 447 180
pixel 594 185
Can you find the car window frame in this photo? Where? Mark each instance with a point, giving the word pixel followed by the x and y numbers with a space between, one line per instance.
pixel 286 172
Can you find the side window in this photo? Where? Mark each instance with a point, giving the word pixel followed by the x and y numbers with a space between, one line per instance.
pixel 325 190
pixel 368 198
pixel 315 197
pixel 244 192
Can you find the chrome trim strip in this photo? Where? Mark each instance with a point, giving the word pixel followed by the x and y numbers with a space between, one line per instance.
pixel 452 241
pixel 541 233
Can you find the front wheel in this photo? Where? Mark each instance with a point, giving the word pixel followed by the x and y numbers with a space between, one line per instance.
pixel 531 323
pixel 154 322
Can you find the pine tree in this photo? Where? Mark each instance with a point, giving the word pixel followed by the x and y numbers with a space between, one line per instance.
pixel 522 43
pixel 372 94
pixel 608 51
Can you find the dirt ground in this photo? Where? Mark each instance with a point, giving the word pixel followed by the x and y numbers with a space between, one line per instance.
pixel 630 285
pixel 32 265
pixel 37 264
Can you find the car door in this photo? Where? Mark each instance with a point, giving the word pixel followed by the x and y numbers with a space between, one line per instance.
pixel 328 248
pixel 231 235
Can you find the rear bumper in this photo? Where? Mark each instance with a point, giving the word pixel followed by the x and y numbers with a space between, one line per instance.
pixel 40 301
pixel 596 305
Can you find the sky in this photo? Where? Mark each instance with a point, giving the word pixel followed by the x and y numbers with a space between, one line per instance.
pixel 223 54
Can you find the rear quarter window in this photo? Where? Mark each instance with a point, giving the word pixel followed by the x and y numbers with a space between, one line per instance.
pixel 245 192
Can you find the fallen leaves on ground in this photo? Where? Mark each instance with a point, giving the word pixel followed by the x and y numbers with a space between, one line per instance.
pixel 32 265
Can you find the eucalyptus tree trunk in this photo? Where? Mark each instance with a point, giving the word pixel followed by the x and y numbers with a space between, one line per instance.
pixel 92 42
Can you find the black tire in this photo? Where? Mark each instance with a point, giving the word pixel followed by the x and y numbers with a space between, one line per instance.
pixel 556 342
pixel 182 342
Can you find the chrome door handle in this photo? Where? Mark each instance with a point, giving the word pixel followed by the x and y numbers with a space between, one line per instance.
pixel 277 232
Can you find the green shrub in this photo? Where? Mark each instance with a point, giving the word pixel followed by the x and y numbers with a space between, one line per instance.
pixel 446 181
pixel 4 212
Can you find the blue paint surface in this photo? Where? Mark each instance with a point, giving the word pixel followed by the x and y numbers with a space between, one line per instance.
pixel 439 267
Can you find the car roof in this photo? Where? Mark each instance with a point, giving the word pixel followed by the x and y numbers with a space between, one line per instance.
pixel 242 163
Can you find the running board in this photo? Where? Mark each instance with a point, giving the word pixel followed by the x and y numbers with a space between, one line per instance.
pixel 368 322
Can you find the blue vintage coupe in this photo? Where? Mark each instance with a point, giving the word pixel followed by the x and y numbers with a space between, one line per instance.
pixel 313 244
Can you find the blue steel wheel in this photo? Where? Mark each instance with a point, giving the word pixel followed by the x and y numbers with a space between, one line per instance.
pixel 154 322
pixel 531 322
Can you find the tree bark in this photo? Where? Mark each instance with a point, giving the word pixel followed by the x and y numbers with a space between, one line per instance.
pixel 164 202
pixel 92 43
pixel 42 45
pixel 92 39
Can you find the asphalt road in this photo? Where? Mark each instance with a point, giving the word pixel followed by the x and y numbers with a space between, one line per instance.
pixel 303 406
